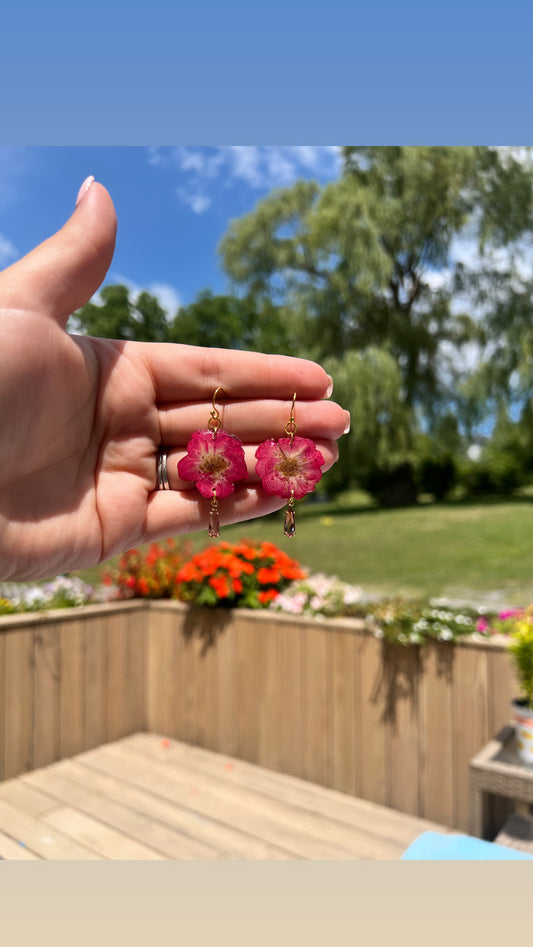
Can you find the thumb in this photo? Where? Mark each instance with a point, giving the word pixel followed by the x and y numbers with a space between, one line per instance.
pixel 62 273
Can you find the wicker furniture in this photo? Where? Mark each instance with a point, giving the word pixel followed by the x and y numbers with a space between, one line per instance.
pixel 497 769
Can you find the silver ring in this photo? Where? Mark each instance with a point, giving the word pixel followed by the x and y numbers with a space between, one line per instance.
pixel 162 475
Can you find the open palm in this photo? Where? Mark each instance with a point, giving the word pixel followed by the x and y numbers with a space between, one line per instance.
pixel 83 418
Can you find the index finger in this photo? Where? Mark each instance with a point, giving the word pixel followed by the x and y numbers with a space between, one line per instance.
pixel 189 372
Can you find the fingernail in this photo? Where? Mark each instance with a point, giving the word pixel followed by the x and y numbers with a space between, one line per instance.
pixel 347 428
pixel 329 390
pixel 84 188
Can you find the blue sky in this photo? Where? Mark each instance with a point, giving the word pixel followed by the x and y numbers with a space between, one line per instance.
pixel 173 204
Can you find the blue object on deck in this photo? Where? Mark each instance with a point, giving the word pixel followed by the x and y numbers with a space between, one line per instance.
pixel 433 845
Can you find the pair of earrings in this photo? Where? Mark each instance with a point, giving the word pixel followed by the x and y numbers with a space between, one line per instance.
pixel 289 467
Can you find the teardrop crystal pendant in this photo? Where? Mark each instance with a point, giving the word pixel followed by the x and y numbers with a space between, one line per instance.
pixel 289 527
pixel 213 528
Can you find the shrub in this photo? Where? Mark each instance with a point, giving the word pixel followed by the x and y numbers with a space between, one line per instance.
pixel 408 622
pixel 438 476
pixel 392 487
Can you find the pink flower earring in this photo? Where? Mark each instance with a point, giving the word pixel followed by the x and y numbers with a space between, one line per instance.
pixel 214 462
pixel 289 467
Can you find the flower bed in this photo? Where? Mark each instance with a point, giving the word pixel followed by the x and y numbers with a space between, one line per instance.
pixel 259 575
pixel 61 592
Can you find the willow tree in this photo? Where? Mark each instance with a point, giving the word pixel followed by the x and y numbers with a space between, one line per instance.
pixel 373 258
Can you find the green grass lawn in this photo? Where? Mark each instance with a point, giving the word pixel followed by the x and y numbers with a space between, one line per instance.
pixel 457 550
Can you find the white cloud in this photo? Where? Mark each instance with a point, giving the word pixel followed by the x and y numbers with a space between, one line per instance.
pixel 8 252
pixel 198 202
pixel 166 295
pixel 260 167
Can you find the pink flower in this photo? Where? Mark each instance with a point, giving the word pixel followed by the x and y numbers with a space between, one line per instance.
pixel 289 468
pixel 214 463
pixel 482 626
pixel 510 613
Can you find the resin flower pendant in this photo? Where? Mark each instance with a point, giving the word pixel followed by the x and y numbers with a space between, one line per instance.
pixel 214 462
pixel 289 467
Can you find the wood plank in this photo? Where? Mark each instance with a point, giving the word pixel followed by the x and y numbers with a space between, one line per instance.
pixel 137 663
pixel 401 681
pixel 95 711
pixel 164 674
pixel 372 777
pixel 470 729
pixel 436 735
pixel 341 807
pixel 118 684
pixel 307 834
pixel 343 689
pixel 289 699
pixel 40 838
pixel 72 688
pixel 359 712
pixel 501 688
pixel 19 671
pixel 226 691
pixel 105 841
pixel 77 787
pixel 14 851
pixel 315 704
pixel 25 797
pixel 197 682
pixel 201 836
pixel 183 795
pixel 246 684
pixel 177 684
pixel 47 742
pixel 267 695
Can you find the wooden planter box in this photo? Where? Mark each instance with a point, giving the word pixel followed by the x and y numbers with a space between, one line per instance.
pixel 322 700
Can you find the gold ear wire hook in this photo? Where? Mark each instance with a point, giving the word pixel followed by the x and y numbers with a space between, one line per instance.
pixel 291 426
pixel 214 421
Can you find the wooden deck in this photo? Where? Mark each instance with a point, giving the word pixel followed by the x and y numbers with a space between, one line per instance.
pixel 147 797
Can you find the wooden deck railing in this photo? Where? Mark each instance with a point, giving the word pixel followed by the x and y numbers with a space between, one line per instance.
pixel 325 701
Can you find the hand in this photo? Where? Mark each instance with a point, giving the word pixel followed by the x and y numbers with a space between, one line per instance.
pixel 83 418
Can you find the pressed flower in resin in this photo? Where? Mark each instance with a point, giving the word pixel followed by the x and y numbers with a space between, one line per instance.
pixel 214 461
pixel 289 467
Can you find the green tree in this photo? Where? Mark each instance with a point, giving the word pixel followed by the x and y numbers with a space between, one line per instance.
pixel 369 385
pixel 117 316
pixel 216 321
pixel 224 321
pixel 368 257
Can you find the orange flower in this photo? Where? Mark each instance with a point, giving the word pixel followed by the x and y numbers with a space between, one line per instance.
pixel 188 573
pixel 267 596
pixel 248 552
pixel 267 576
pixel 220 584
